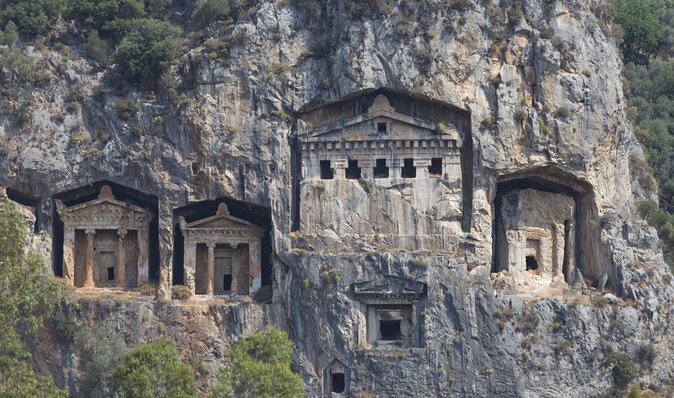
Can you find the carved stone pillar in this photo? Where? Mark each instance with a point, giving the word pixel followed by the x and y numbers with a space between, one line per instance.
pixel 143 267
pixel 189 263
pixel 89 265
pixel 211 268
pixel 366 168
pixel 254 266
pixel 422 166
pixel 69 255
pixel 234 289
pixel 121 259
pixel 339 166
pixel 394 168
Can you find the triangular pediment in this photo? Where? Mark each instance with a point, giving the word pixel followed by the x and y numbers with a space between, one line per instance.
pixel 366 126
pixel 390 287
pixel 222 220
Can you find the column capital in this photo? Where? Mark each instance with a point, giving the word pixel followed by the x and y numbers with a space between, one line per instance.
pixel 90 231
pixel 121 232
pixel 211 245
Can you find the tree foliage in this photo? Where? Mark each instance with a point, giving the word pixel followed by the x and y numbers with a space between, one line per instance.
pixel 154 370
pixel 260 366
pixel 147 49
pixel 641 27
pixel 649 76
pixel 31 17
pixel 100 349
pixel 27 296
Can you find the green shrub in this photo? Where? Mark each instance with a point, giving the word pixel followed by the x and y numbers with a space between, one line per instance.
pixel 641 28
pixel 97 49
pixel 125 108
pixel 646 355
pixel 100 348
pixel 9 35
pixel 260 367
pixel 209 11
pixel 147 50
pixel 32 17
pixel 624 370
pixel 105 15
pixel 154 370
pixel 28 296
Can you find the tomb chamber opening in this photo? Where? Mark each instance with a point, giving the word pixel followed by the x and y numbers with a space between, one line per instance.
pixel 381 166
pixel 105 235
pixel 544 230
pixel 222 247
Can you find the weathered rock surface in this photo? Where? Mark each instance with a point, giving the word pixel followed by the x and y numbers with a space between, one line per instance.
pixel 542 83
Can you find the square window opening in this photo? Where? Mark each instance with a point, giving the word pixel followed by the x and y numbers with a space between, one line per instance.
pixel 435 168
pixel 390 330
pixel 409 171
pixel 227 282
pixel 380 169
pixel 382 127
pixel 353 171
pixel 326 170
pixel 338 383
pixel 111 273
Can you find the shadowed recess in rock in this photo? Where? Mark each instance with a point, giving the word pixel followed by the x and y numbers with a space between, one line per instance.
pixel 91 192
pixel 260 216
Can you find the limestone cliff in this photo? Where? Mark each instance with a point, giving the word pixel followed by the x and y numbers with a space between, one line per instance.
pixel 540 84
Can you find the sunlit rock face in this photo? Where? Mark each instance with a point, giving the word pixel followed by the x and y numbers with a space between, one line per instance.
pixel 490 123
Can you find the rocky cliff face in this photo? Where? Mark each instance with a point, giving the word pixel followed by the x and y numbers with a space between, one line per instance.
pixel 541 82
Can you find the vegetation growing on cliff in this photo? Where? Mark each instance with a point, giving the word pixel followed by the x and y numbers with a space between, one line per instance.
pixel 260 367
pixel 27 297
pixel 154 370
pixel 648 50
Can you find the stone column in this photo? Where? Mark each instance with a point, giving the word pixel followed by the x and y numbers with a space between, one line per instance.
pixel 211 268
pixel 422 166
pixel 339 166
pixel 190 265
pixel 89 266
pixel 366 168
pixel 69 255
pixel 254 266
pixel 234 288
pixel 394 168
pixel 143 267
pixel 451 167
pixel 121 258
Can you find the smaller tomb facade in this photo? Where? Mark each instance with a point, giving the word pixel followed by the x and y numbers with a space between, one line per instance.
pixel 536 237
pixel 105 242
pixel 394 311
pixel 222 255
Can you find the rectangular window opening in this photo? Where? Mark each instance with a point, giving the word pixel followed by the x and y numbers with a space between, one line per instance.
pixel 326 170
pixel 338 383
pixel 409 171
pixel 390 329
pixel 381 127
pixel 435 168
pixel 227 282
pixel 380 169
pixel 353 171
pixel 111 273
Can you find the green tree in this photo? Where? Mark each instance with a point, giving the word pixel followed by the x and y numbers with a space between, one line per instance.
pixel 154 370
pixel 105 15
pixel 260 366
pixel 642 28
pixel 100 348
pixel 96 47
pixel 27 296
pixel 208 11
pixel 147 50
pixel 31 17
